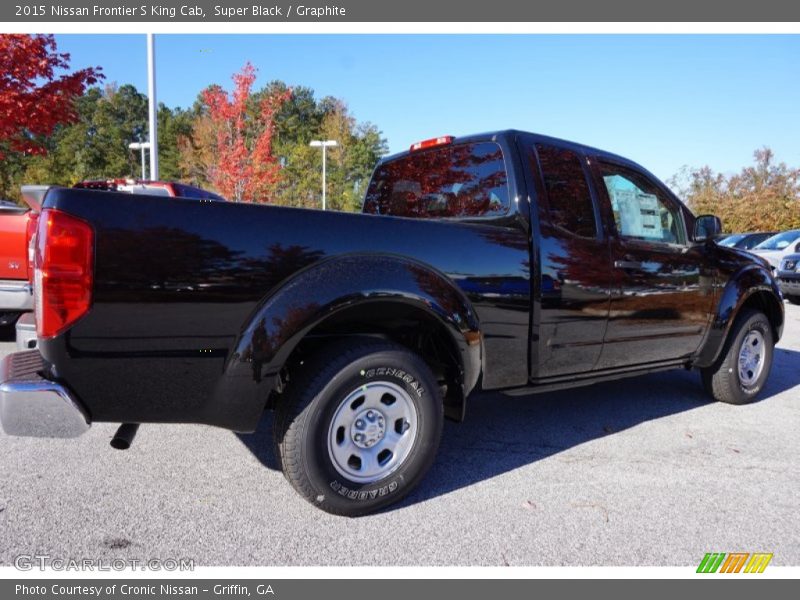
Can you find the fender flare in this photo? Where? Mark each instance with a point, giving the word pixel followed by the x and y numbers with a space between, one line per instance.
pixel 286 314
pixel 744 284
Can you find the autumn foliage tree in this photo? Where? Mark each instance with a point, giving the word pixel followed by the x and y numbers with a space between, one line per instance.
pixel 225 143
pixel 762 197
pixel 34 97
pixel 244 167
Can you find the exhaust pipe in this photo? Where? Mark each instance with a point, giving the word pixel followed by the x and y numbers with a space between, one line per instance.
pixel 123 439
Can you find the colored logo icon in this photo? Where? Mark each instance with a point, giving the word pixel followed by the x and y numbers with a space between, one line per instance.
pixel 734 562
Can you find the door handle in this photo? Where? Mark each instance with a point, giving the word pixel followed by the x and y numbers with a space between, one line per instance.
pixel 628 264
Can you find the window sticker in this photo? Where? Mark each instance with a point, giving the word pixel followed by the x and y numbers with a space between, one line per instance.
pixel 636 213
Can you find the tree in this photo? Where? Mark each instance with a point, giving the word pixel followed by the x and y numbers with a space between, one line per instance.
pixel 196 150
pixel 264 143
pixel 173 127
pixel 196 145
pixel 96 145
pixel 761 197
pixel 299 119
pixel 297 123
pixel 245 166
pixel 350 162
pixel 33 98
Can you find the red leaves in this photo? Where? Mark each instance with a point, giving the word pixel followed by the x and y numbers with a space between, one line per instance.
pixel 245 165
pixel 33 99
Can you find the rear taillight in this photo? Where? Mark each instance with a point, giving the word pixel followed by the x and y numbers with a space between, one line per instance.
pixel 30 236
pixel 64 256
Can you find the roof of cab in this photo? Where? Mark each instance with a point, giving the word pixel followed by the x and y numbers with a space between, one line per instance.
pixel 514 133
pixel 511 134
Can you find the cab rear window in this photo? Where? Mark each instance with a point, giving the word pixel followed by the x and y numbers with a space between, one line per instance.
pixel 463 180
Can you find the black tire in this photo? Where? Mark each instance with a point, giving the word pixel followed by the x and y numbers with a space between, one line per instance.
pixel 722 380
pixel 318 393
pixel 793 299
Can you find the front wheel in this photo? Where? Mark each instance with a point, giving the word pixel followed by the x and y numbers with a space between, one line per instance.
pixel 742 370
pixel 359 427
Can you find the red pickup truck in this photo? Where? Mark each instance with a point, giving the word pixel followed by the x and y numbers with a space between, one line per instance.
pixel 17 224
pixel 151 188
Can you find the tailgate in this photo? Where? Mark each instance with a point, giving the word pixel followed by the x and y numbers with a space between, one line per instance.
pixel 13 243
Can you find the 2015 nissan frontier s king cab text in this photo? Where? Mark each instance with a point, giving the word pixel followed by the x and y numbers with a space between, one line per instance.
pixel 503 261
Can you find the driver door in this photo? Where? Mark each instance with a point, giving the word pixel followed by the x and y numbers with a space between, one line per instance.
pixel 662 291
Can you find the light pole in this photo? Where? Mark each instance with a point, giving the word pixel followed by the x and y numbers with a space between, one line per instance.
pixel 324 144
pixel 140 146
pixel 152 106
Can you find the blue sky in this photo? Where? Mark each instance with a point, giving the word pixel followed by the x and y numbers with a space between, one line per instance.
pixel 664 101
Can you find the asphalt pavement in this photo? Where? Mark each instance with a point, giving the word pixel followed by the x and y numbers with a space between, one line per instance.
pixel 642 471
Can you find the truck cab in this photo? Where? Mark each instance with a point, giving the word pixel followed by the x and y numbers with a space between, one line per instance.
pixel 620 279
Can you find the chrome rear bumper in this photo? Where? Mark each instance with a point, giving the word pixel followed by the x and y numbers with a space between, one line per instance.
pixel 33 406
pixel 15 295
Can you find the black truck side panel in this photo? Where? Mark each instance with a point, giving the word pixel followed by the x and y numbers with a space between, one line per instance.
pixel 178 283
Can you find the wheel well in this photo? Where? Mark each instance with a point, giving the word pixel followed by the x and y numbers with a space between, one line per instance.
pixel 769 305
pixel 401 323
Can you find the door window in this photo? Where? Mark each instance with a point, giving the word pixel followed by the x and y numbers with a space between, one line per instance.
pixel 642 211
pixel 568 197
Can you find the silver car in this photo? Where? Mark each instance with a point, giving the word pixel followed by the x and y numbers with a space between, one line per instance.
pixel 780 244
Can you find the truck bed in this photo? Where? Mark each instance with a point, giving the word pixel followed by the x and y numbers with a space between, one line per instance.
pixel 176 283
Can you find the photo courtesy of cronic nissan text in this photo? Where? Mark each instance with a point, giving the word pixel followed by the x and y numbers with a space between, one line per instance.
pixel 496 301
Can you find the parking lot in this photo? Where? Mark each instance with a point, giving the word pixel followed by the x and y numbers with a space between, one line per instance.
pixel 637 472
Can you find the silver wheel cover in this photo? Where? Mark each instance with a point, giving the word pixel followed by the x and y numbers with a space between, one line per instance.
pixel 752 356
pixel 372 432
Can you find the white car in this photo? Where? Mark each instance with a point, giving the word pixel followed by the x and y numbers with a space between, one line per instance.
pixel 780 244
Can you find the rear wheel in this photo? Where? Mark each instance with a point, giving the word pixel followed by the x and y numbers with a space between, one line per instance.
pixel 740 373
pixel 359 427
pixel 793 299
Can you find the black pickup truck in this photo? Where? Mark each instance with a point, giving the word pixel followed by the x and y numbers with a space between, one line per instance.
pixel 504 261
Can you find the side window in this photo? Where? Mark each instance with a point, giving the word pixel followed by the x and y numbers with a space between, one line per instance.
pixel 568 196
pixel 641 210
pixel 463 180
pixel 187 191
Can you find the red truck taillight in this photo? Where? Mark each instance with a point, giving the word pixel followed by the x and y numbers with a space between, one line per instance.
pixel 63 274
pixel 30 236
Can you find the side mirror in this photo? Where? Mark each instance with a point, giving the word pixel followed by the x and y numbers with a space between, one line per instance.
pixel 707 227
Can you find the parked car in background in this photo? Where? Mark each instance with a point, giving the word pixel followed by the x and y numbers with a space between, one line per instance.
pixel 773 249
pixel 17 224
pixel 789 277
pixel 745 241
pixel 26 323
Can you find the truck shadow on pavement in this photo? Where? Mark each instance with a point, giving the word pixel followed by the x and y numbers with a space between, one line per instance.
pixel 502 433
